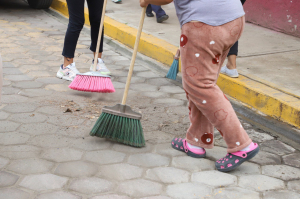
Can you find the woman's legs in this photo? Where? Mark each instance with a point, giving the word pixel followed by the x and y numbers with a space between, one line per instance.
pixel 203 49
pixel 95 14
pixel 76 22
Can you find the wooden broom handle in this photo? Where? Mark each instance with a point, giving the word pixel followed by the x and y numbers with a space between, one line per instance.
pixel 136 45
pixel 99 35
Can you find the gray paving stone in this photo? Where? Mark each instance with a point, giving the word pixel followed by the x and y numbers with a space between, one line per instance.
pixel 247 168
pixel 214 178
pixel 20 108
pixel 58 87
pixel 10 138
pixel 19 151
pixel 51 110
pixel 235 193
pixel 193 164
pixel 148 160
pixel 111 196
pixel 156 137
pixel 30 166
pixel 62 154
pixel 65 120
pixel 128 149
pixel 260 183
pixel 105 157
pixel 7 179
pixel 120 172
pixel 3 115
pixel 188 191
pixel 168 175
pixel 140 188
pixel 281 194
pixel 143 87
pixel 91 185
pixel 13 193
pixel 283 172
pixel 3 162
pixel 35 92
pixel 171 89
pixel 8 90
pixel 168 102
pixel 26 118
pixel 11 71
pixel 50 80
pixel 157 197
pixel 43 182
pixel 216 153
pixel 134 80
pixel 17 78
pixel 265 158
pixel 38 128
pixel 160 82
pixel 294 185
pixel 292 160
pixel 167 150
pixel 51 141
pixel 258 137
pixel 276 147
pixel 155 94
pixel 58 195
pixel 76 169
pixel 9 99
pixel 147 74
pixel 28 84
pixel 91 144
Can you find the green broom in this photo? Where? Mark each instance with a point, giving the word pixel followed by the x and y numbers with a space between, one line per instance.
pixel 120 123
pixel 173 71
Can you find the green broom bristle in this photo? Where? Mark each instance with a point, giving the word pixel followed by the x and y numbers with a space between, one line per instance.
pixel 121 129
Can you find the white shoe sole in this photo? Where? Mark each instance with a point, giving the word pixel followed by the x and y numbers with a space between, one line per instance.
pixel 61 76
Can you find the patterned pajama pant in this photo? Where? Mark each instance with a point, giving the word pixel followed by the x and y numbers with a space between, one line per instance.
pixel 203 50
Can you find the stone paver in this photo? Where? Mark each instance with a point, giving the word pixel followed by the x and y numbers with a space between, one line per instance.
pixel 76 169
pixel 30 166
pixel 283 172
pixel 188 191
pixel 214 178
pixel 58 195
pixel 168 175
pixel 120 172
pixel 140 188
pixel 260 183
pixel 91 185
pixel 47 153
pixel 7 179
pixel 43 182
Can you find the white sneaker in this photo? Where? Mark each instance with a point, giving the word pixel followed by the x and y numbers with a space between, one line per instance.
pixel 67 73
pixel 117 1
pixel 229 72
pixel 101 68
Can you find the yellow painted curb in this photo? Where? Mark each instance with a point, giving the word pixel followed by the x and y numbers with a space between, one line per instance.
pixel 266 99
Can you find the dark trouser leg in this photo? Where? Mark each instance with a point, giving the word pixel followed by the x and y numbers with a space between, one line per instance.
pixel 76 22
pixel 149 9
pixel 158 11
pixel 234 49
pixel 95 14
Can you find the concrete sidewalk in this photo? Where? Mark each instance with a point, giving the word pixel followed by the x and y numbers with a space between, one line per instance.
pixel 268 64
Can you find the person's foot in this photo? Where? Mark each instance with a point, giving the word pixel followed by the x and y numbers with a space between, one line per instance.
pixel 117 1
pixel 101 68
pixel 233 160
pixel 162 18
pixel 182 145
pixel 229 72
pixel 149 14
pixel 67 73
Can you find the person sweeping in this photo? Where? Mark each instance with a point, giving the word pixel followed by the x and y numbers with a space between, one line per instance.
pixel 68 69
pixel 208 29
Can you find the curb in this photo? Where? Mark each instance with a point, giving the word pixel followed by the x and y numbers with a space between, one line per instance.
pixel 263 98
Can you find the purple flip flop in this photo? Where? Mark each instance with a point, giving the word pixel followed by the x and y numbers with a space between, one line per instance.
pixel 233 160
pixel 181 145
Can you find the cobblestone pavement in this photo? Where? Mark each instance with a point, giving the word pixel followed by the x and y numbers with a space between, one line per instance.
pixel 46 151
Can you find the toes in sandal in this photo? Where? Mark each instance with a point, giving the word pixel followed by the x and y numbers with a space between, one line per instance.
pixel 233 160
pixel 181 145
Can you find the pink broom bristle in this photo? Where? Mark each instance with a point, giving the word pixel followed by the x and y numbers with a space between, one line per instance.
pixel 92 84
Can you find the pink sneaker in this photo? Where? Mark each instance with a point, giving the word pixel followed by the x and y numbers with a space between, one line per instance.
pixel 181 145
pixel 233 160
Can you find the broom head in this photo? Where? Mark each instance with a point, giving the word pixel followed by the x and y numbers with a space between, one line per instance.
pixel 173 71
pixel 92 82
pixel 121 124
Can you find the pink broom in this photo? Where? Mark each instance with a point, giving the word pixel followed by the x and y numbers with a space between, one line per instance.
pixel 94 81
